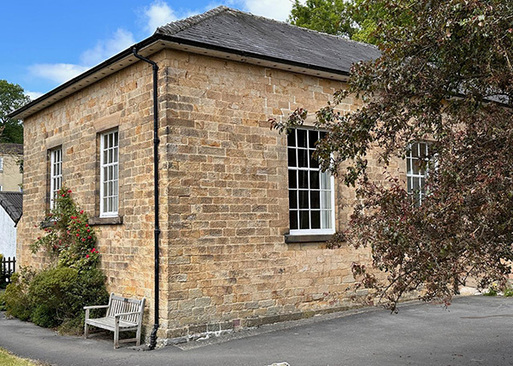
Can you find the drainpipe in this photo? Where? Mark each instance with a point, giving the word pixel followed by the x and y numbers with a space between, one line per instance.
pixel 153 336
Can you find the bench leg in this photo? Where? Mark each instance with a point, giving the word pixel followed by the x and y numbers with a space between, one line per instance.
pixel 138 336
pixel 116 334
pixel 86 326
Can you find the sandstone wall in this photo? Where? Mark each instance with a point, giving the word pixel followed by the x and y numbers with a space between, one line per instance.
pixel 223 185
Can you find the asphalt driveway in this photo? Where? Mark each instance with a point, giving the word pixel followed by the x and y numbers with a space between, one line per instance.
pixel 472 331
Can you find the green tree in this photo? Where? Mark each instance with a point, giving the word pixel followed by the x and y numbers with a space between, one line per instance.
pixel 355 19
pixel 328 16
pixel 445 76
pixel 12 97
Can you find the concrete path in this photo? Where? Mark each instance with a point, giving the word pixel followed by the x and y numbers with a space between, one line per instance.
pixel 472 331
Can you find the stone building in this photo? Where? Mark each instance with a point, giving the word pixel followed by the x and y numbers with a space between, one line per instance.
pixel 10 175
pixel 244 213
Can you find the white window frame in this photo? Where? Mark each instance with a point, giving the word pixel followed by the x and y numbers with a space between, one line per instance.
pixel 55 174
pixel 109 174
pixel 307 219
pixel 417 161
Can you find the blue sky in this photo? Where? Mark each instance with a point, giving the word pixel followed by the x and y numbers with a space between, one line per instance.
pixel 45 43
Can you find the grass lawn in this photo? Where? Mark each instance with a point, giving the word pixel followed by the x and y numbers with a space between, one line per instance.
pixel 7 359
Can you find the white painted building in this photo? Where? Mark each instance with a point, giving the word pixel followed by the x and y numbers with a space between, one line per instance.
pixel 10 213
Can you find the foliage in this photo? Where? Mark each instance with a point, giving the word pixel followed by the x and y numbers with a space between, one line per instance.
pixel 355 19
pixel 55 297
pixel 444 76
pixel 2 300
pixel 16 294
pixel 508 292
pixel 492 291
pixel 12 97
pixel 328 16
pixel 58 295
pixel 68 236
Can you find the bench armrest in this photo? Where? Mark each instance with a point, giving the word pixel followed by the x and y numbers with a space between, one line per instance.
pixel 96 307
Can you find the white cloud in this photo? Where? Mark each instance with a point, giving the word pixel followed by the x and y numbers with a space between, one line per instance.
pixel 62 72
pixel 158 14
pixel 33 95
pixel 104 49
pixel 58 73
pixel 274 9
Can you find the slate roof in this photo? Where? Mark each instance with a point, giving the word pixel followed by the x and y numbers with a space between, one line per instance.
pixel 228 31
pixel 244 33
pixel 9 148
pixel 12 202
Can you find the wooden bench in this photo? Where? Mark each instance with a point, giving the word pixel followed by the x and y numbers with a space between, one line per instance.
pixel 122 315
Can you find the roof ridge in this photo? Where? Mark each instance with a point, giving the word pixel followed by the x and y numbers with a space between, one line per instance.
pixel 182 24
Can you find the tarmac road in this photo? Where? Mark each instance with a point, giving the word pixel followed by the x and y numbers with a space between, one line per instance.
pixel 474 330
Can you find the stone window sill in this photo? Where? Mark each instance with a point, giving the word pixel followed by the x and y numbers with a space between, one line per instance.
pixel 307 238
pixel 106 220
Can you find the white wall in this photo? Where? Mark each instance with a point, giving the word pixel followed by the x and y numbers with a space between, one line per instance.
pixel 7 235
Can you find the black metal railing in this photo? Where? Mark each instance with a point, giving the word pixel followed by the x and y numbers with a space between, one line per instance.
pixel 7 268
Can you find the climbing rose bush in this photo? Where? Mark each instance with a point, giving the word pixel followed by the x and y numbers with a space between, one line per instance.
pixel 68 236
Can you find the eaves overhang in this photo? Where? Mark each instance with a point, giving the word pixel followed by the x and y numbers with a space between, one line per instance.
pixel 156 43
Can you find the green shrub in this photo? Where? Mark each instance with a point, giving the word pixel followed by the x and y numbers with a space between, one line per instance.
pixel 2 300
pixel 16 295
pixel 58 295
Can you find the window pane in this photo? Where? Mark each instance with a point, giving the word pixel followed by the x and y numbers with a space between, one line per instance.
pixel 313 136
pixel 326 200
pixel 292 199
pixel 304 219
pixel 303 199
pixel 291 139
pixel 303 178
pixel 423 150
pixel 326 219
pixel 302 158
pixel 416 184
pixel 416 166
pixel 415 150
pixel 314 180
pixel 301 138
pixel 313 162
pixel 325 180
pixel 292 179
pixel 293 219
pixel 316 219
pixel 315 199
pixel 292 157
